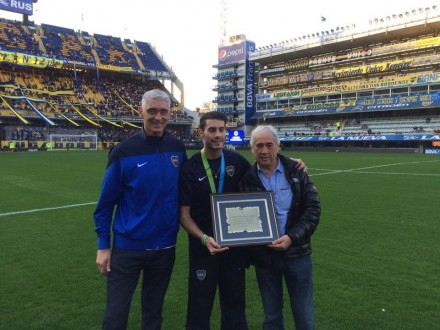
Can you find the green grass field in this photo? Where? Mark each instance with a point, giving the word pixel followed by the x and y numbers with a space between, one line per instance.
pixel 376 251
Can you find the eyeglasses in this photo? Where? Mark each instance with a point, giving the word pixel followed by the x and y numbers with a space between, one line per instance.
pixel 154 111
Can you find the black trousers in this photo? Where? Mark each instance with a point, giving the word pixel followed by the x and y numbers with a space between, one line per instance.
pixel 227 272
pixel 126 267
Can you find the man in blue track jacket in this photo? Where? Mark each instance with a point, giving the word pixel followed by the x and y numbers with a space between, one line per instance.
pixel 141 181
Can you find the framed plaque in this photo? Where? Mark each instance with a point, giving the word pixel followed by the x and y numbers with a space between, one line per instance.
pixel 244 218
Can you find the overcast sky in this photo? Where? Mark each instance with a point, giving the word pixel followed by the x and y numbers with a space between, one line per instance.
pixel 187 32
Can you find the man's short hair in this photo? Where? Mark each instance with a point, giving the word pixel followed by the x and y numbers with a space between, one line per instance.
pixel 212 115
pixel 155 94
pixel 262 128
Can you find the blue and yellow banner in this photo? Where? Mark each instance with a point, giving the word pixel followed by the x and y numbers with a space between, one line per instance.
pixel 115 68
pixel 22 59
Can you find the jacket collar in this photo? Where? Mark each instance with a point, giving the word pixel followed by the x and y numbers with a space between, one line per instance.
pixel 153 139
pixel 288 164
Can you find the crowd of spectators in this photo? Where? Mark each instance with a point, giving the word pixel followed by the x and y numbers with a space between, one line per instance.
pixel 111 95
pixel 418 129
pixel 111 134
pixel 108 133
pixel 42 133
pixel 74 92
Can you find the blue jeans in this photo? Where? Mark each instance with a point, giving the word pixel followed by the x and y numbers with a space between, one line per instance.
pixel 297 274
pixel 126 267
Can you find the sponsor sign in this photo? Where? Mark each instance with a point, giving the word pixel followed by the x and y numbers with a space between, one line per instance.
pixel 432 151
pixel 249 91
pixel 232 54
pixel 81 63
pixel 22 6
pixel 236 137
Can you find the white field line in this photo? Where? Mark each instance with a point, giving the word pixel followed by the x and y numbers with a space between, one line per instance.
pixel 46 209
pixel 396 173
pixel 329 171
pixel 361 169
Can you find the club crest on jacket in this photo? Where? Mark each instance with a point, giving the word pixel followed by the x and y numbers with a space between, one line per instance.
pixel 175 160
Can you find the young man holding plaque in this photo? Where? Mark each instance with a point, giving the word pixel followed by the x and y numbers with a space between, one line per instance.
pixel 298 211
pixel 212 170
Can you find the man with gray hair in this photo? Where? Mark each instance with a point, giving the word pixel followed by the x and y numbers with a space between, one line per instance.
pixel 298 211
pixel 141 182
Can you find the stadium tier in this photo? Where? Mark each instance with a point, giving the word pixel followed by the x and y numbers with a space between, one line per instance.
pixel 346 86
pixel 55 81
pixel 377 86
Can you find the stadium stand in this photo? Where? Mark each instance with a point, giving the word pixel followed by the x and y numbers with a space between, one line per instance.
pixel 54 80
pixel 111 52
pixel 63 43
pixel 350 86
pixel 149 57
pixel 18 37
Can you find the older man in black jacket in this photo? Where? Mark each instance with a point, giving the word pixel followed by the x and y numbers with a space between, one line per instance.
pixel 298 210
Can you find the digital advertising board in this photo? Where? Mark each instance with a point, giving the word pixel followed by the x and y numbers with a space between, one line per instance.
pixel 236 137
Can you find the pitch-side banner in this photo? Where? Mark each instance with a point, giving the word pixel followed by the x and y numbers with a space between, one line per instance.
pixel 22 7
pixel 403 137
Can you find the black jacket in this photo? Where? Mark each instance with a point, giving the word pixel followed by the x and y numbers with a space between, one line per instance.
pixel 303 216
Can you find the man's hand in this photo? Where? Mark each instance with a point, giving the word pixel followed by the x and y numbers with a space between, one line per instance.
pixel 214 247
pixel 301 165
pixel 281 244
pixel 103 261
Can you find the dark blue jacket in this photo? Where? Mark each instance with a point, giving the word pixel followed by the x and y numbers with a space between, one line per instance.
pixel 141 180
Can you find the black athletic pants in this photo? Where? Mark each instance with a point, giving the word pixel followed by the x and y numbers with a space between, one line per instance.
pixel 227 272
pixel 126 267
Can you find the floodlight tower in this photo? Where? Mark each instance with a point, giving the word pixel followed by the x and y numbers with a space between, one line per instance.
pixel 223 22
